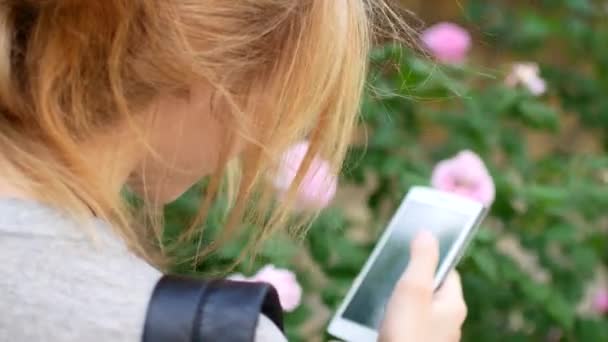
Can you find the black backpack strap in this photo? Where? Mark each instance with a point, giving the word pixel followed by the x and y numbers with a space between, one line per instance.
pixel 193 310
pixel 173 309
pixel 231 310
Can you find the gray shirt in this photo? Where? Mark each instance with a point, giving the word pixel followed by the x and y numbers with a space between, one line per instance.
pixel 59 284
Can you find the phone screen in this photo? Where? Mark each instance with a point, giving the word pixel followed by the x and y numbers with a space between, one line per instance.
pixel 367 304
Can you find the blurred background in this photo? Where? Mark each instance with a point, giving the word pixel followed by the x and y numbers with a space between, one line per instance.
pixel 521 84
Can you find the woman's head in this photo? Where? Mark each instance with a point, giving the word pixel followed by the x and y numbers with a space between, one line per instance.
pixel 178 88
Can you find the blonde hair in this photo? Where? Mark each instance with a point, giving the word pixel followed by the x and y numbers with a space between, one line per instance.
pixel 70 68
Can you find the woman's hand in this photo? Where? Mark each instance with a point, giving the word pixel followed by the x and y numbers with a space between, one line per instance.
pixel 415 312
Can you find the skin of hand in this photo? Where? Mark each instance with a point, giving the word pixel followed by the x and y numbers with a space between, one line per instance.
pixel 417 313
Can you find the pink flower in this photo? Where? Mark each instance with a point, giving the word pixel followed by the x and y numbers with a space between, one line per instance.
pixel 284 281
pixel 447 42
pixel 600 301
pixel 318 187
pixel 466 175
pixel 527 75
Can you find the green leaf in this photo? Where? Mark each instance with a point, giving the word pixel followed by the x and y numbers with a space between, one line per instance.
pixel 545 195
pixel 582 6
pixel 538 115
pixel 279 249
pixel 504 100
pixel 561 311
pixel 561 233
pixel 485 236
pixel 537 293
pixel 595 329
pixel 486 264
pixel 534 27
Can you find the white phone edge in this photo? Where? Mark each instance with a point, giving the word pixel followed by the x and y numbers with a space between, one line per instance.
pixel 354 332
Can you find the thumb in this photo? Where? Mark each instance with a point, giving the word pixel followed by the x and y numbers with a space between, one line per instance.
pixel 409 307
pixel 416 284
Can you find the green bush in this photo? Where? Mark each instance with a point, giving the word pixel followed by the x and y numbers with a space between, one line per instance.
pixel 526 276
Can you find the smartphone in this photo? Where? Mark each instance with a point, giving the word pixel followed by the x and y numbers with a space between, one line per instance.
pixel 453 219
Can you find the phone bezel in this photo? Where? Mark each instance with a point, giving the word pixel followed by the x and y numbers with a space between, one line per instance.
pixel 352 331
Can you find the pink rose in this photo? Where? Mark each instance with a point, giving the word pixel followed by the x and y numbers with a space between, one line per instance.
pixel 318 187
pixel 600 301
pixel 447 42
pixel 528 76
pixel 466 175
pixel 284 281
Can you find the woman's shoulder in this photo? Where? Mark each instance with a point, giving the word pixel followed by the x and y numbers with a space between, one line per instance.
pixel 65 285
pixel 69 288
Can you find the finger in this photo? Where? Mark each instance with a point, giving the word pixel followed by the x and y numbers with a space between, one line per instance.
pixel 424 257
pixel 416 284
pixel 451 287
pixel 456 336
pixel 450 299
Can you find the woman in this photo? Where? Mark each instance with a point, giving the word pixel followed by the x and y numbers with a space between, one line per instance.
pixel 96 96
